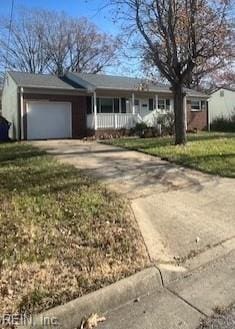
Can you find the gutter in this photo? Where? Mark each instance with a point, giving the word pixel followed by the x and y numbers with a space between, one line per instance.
pixel 21 114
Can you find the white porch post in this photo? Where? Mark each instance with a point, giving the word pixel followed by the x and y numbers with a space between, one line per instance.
pixel 133 103
pixel 95 110
pixel 171 104
pixel 156 101
pixel 208 116
pixel 185 112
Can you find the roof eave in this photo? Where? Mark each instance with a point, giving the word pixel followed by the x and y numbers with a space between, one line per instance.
pixel 133 90
pixel 51 90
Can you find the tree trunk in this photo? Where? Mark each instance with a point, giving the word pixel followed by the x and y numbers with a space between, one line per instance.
pixel 179 110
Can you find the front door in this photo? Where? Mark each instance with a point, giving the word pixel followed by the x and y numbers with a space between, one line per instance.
pixel 142 107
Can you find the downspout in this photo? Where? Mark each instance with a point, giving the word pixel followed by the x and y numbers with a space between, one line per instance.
pixel 22 113
pixel 208 116
pixel 185 113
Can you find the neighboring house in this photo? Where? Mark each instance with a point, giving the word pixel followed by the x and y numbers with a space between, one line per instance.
pixel 222 103
pixel 79 105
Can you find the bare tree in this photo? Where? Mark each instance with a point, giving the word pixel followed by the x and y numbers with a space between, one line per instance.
pixel 25 51
pixel 78 45
pixel 45 41
pixel 182 38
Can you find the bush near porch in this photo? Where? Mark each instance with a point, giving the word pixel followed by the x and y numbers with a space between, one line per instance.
pixel 212 153
pixel 62 235
pixel 224 124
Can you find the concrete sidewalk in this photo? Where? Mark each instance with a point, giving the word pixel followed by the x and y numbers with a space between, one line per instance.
pixel 182 304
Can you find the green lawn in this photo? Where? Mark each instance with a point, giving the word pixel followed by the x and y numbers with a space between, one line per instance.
pixel 62 235
pixel 213 153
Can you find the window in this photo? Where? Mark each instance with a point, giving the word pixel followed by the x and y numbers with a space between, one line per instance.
pixel 123 105
pixel 195 105
pixel 116 105
pixel 137 102
pixel 107 105
pixel 150 104
pixel 198 105
pixel 221 93
pixel 164 104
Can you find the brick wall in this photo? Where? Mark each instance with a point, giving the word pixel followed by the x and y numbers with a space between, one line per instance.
pixel 197 119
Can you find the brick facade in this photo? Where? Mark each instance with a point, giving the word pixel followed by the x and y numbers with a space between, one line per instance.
pixel 197 120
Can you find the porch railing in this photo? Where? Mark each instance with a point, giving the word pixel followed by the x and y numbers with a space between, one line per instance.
pixel 112 120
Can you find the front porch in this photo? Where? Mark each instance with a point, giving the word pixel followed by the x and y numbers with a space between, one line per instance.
pixel 124 111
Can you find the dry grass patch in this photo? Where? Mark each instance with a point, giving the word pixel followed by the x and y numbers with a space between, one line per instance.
pixel 62 235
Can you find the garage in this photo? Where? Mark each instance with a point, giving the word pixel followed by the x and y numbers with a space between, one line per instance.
pixel 48 120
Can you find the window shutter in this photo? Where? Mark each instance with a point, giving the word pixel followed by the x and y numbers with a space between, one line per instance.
pixel 150 104
pixel 203 105
pixel 123 105
pixel 89 109
pixel 116 105
pixel 167 102
pixel 98 104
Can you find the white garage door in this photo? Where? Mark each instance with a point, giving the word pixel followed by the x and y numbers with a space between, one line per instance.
pixel 47 120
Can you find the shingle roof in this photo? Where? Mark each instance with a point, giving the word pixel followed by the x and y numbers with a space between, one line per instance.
pixel 23 79
pixel 195 93
pixel 95 81
pixel 101 81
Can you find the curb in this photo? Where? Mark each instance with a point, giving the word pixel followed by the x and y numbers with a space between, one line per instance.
pixel 70 315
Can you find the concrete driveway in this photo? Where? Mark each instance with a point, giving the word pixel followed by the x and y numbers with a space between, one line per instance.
pixel 181 213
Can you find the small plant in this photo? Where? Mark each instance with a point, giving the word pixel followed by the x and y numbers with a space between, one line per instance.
pixel 139 129
pixel 166 120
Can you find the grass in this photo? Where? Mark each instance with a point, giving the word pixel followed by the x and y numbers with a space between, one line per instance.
pixel 62 235
pixel 212 153
pixel 222 318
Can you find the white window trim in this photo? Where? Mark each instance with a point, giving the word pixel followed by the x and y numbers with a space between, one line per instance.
pixel 165 105
pixel 200 105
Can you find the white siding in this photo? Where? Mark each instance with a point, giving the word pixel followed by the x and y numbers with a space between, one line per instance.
pixel 10 106
pixel 221 106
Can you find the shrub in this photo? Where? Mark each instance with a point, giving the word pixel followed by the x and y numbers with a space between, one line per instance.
pixel 139 129
pixel 142 130
pixel 166 120
pixel 224 124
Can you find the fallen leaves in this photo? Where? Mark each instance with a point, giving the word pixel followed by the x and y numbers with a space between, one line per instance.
pixel 92 321
pixel 62 235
